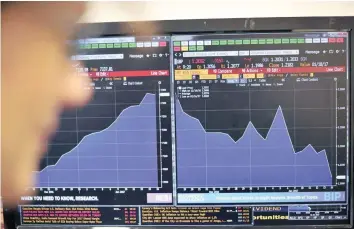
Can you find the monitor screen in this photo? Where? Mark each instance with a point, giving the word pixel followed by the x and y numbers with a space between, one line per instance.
pixel 245 129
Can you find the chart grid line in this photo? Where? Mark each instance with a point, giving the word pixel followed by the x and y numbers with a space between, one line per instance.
pixel 278 121
pixel 94 170
pixel 205 144
pixel 78 148
pixel 250 139
pixel 336 123
pixel 160 133
pixel 294 133
pixel 115 146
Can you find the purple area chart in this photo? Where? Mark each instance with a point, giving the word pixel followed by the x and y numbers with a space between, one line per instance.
pixel 122 155
pixel 214 159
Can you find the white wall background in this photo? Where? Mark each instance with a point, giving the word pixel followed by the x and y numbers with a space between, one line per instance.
pixel 182 9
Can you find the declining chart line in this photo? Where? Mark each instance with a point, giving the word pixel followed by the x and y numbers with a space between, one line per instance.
pixel 270 155
pixel 137 162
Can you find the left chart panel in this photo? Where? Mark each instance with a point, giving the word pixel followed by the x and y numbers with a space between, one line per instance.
pixel 118 146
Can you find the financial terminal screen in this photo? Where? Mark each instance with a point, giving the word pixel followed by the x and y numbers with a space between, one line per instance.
pixel 203 130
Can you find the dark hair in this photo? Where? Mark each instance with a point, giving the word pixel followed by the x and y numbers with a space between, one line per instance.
pixel 5 4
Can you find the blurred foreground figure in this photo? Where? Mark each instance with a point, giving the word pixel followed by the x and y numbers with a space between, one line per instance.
pixel 37 82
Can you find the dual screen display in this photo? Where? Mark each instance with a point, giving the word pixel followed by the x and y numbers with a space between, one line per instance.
pixel 232 129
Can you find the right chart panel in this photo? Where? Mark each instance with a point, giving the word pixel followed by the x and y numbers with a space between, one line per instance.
pixel 261 118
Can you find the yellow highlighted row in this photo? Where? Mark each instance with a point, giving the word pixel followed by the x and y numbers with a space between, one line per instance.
pixel 208 77
pixel 252 76
pixel 230 76
pixel 183 77
pixel 191 72
pixel 203 75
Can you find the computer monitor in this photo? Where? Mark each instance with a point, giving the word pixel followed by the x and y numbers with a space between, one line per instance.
pixel 205 126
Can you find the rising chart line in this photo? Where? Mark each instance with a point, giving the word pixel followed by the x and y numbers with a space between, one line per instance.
pixel 48 166
pixel 94 144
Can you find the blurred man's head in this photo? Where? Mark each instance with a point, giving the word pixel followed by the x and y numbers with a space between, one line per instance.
pixel 37 82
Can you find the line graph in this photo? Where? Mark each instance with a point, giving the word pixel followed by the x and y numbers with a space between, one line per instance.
pixel 131 140
pixel 214 159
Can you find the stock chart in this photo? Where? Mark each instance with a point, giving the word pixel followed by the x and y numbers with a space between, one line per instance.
pixel 259 115
pixel 210 129
pixel 116 141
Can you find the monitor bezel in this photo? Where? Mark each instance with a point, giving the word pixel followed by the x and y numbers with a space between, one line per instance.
pixel 231 25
